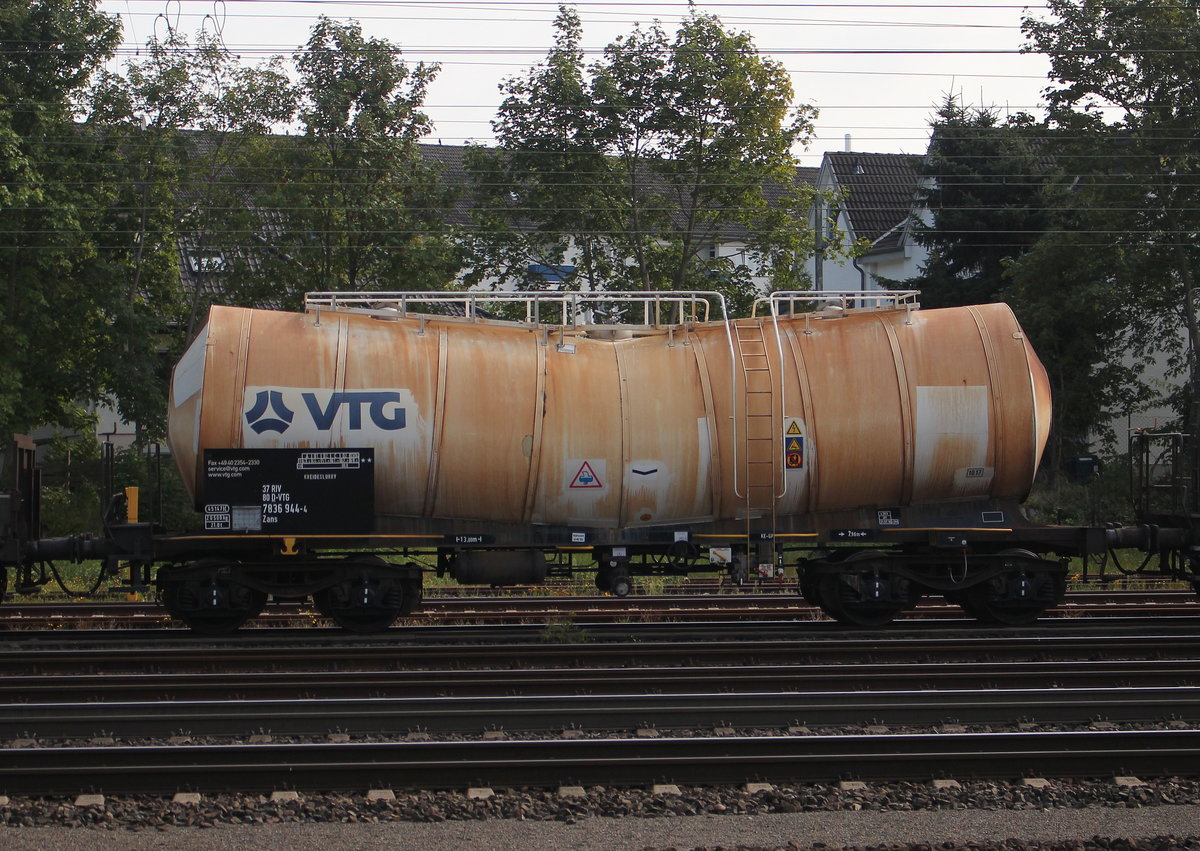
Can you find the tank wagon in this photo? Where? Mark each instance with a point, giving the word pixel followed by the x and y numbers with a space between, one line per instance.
pixel 342 452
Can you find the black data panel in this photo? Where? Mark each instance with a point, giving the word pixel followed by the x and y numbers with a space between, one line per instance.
pixel 289 491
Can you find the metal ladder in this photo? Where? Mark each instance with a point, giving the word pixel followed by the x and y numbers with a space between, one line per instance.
pixel 760 426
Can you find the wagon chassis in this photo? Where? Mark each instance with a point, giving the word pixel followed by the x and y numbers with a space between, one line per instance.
pixel 860 566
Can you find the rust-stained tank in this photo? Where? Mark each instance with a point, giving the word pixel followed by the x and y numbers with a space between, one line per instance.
pixel 787 423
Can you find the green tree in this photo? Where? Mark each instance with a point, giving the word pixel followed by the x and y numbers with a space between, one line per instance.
pixel 355 206
pixel 1070 302
pixel 983 190
pixel 634 166
pixel 1124 94
pixel 78 325
pixel 182 119
pixel 1006 218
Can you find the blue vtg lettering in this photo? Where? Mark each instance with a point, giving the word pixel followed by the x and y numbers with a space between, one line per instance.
pixel 281 410
pixel 383 407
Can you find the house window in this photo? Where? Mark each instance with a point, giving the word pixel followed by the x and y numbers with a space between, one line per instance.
pixel 206 262
pixel 551 274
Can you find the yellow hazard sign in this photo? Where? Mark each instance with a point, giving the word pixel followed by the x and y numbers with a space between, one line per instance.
pixel 793 428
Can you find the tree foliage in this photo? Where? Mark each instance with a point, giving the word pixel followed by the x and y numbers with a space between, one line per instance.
pixel 77 273
pixel 982 186
pixel 184 119
pixel 1123 100
pixel 631 168
pixel 1004 222
pixel 354 205
pixel 110 180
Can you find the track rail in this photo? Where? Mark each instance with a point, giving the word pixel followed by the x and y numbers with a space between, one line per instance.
pixel 451 682
pixel 612 645
pixel 723 603
pixel 542 763
pixel 542 713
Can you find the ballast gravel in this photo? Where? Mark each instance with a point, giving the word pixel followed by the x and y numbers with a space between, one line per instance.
pixel 975 816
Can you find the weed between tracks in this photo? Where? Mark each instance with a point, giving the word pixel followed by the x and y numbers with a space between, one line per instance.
pixel 562 632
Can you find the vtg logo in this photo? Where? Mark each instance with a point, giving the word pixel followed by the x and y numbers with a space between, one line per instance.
pixel 257 415
pixel 270 412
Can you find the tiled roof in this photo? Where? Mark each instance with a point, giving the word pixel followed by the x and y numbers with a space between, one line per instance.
pixel 449 161
pixel 880 189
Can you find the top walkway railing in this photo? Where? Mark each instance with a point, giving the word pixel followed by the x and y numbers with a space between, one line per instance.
pixel 655 309
pixel 798 302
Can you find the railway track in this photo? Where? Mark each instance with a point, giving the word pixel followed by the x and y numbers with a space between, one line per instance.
pixel 759 686
pixel 601 644
pixel 618 761
pixel 777 605
pixel 529 682
pixel 541 714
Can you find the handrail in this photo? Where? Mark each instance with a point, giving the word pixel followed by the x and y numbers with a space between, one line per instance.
pixel 782 407
pixel 659 308
pixel 840 300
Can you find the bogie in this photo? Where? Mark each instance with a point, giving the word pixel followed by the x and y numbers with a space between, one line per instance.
pixel 208 598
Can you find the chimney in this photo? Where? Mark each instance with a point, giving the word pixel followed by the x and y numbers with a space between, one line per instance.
pixel 848 147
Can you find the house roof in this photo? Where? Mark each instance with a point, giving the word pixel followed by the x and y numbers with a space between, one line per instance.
pixel 449 158
pixel 202 264
pixel 880 189
pixel 449 161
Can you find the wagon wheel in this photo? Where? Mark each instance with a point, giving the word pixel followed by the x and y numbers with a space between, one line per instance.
pixel 211 605
pixel 978 602
pixel 367 603
pixel 838 601
pixel 849 612
pixel 809 588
